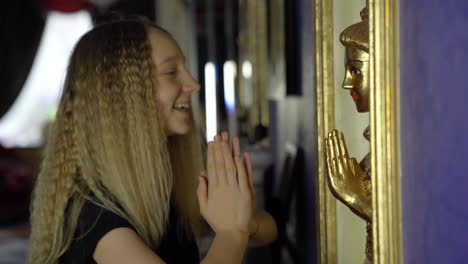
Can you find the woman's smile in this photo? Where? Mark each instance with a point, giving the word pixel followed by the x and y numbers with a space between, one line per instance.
pixel 182 107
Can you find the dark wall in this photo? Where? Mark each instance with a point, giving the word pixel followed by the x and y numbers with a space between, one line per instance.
pixel 293 15
pixel 307 136
pixel 21 27
pixel 434 130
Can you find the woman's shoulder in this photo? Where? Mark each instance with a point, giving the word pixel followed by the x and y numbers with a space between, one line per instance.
pixel 96 218
pixel 123 245
pixel 93 223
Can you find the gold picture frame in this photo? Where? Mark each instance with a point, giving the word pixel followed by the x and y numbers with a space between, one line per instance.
pixel 324 79
pixel 384 113
pixel 384 116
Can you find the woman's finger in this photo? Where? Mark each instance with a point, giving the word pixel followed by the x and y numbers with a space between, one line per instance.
pixel 248 166
pixel 225 137
pixel 203 174
pixel 211 167
pixel 231 172
pixel 236 147
pixel 220 167
pixel 244 185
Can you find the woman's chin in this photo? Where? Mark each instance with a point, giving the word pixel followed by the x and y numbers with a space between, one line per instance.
pixel 179 131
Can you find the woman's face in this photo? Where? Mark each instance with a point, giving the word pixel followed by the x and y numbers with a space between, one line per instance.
pixel 357 77
pixel 175 84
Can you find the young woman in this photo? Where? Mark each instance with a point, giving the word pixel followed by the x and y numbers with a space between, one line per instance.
pixel 118 182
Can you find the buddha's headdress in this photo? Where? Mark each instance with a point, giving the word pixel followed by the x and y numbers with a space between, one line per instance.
pixel 357 35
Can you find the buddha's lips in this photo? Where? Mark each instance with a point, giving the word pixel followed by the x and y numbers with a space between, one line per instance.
pixel 355 96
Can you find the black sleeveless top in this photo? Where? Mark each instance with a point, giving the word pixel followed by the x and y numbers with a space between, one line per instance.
pixel 94 222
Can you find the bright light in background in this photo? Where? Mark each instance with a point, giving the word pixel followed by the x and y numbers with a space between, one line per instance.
pixel 247 69
pixel 23 124
pixel 248 90
pixel 229 71
pixel 210 101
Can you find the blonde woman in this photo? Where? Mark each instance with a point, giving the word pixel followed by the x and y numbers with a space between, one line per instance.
pixel 118 182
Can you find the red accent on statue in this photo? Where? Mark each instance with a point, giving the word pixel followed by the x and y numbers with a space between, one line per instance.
pixel 355 96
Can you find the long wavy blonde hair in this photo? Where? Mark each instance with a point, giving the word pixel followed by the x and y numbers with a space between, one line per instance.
pixel 107 146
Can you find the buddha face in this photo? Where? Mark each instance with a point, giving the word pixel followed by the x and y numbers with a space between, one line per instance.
pixel 357 77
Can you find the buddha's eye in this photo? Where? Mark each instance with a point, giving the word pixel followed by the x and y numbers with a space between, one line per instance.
pixel 354 70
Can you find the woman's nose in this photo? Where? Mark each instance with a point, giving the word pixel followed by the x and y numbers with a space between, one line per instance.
pixel 192 85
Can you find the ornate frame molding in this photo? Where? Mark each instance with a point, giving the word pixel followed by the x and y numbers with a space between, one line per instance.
pixel 324 79
pixel 385 131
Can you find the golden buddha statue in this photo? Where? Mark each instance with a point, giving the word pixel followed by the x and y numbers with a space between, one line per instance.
pixel 349 181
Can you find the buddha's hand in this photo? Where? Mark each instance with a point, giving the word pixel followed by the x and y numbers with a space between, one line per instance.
pixel 225 190
pixel 345 176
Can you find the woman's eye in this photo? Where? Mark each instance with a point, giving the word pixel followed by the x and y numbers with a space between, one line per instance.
pixel 171 73
pixel 355 71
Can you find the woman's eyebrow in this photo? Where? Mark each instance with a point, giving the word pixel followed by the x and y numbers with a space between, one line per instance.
pixel 172 59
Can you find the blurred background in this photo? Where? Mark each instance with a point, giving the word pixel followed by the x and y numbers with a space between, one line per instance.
pixel 254 60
